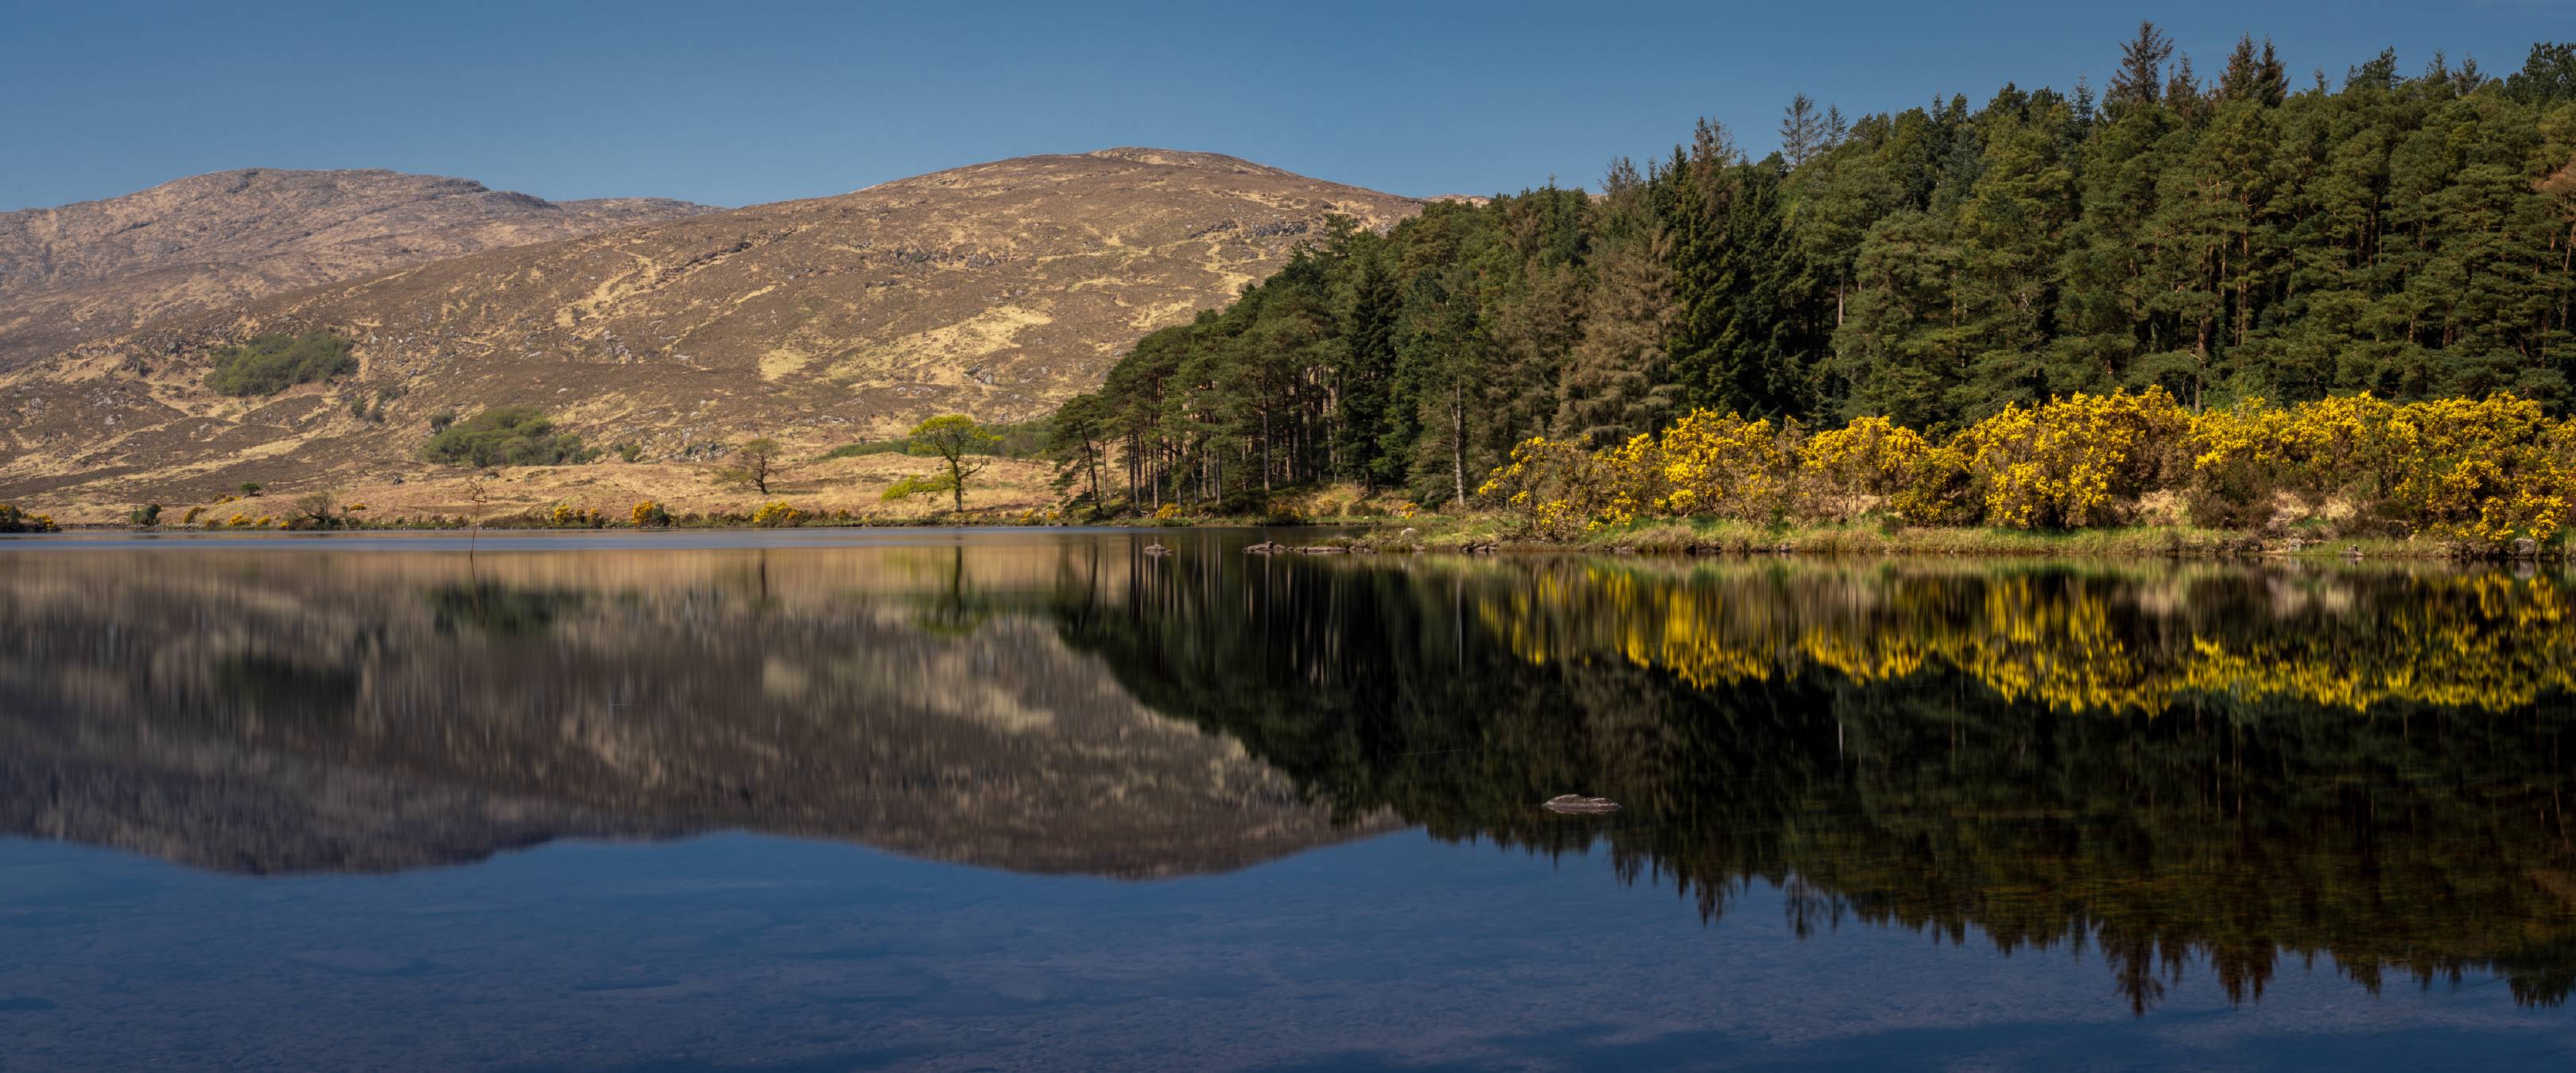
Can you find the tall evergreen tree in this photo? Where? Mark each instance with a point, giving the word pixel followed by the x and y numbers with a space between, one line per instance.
pixel 1618 380
pixel 1803 132
pixel 2140 80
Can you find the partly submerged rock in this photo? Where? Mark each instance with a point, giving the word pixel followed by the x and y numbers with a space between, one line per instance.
pixel 1579 803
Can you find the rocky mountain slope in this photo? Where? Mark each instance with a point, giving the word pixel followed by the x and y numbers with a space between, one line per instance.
pixel 995 289
pixel 97 268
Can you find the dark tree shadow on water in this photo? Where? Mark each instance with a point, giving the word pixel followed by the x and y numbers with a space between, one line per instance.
pixel 2125 1044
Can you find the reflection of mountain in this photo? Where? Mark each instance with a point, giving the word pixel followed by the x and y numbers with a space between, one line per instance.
pixel 379 711
pixel 2237 824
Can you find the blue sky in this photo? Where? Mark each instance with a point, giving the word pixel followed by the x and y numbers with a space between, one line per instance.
pixel 738 103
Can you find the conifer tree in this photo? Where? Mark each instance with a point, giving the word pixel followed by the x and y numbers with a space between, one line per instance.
pixel 1803 133
pixel 1618 380
pixel 2140 80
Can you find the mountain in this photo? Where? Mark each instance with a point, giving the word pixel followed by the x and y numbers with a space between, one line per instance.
pixel 996 289
pixel 83 271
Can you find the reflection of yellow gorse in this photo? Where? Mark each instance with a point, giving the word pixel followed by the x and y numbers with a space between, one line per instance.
pixel 2489 642
pixel 2478 469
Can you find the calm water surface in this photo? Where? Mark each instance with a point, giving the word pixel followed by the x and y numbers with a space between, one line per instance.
pixel 922 799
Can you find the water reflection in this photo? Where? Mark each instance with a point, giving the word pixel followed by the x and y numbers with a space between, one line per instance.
pixel 372 711
pixel 2160 766
pixel 2238 765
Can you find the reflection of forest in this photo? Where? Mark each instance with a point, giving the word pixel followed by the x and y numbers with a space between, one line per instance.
pixel 2234 764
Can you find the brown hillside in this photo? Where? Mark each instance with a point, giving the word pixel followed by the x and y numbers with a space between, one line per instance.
pixel 83 271
pixel 995 289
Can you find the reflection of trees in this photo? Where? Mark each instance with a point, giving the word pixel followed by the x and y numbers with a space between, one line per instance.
pixel 2068 640
pixel 1936 790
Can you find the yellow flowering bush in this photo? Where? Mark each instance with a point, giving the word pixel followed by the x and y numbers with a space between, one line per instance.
pixel 14 520
pixel 2485 470
pixel 776 513
pixel 649 514
pixel 1844 472
pixel 1549 485
pixel 1724 465
pixel 567 516
pixel 2240 462
pixel 2488 469
pixel 2071 462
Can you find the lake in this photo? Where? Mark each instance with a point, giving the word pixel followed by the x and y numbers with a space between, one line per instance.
pixel 822 800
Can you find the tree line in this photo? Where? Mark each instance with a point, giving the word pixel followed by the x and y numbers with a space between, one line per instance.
pixel 2225 239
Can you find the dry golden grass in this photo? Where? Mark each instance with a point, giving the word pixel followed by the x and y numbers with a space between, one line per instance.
pixel 613 488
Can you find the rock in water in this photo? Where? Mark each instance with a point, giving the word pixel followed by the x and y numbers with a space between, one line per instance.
pixel 1579 803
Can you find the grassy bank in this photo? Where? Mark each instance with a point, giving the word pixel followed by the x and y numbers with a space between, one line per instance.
pixel 1491 532
pixel 1495 533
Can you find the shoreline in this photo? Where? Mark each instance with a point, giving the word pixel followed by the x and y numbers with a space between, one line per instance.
pixel 1483 534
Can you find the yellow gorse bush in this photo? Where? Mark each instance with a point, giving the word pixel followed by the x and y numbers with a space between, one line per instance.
pixel 777 512
pixel 1552 485
pixel 2072 462
pixel 2486 470
pixel 1723 465
pixel 14 520
pixel 1845 472
pixel 567 516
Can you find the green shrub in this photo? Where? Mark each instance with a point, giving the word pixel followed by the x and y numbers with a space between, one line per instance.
pixel 506 436
pixel 148 514
pixel 274 361
pixel 1024 440
pixel 871 447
